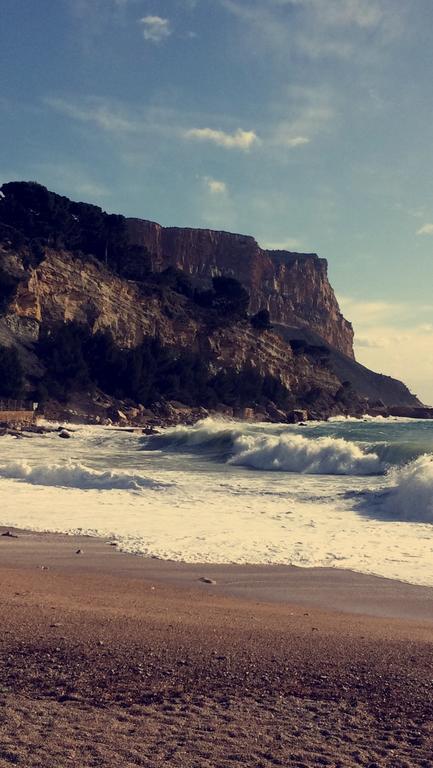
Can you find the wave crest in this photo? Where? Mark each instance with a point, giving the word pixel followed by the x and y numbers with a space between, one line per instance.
pixel 411 496
pixel 295 453
pixel 76 475
pixel 285 451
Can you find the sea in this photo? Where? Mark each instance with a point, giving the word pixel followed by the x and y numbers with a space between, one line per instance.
pixel 347 493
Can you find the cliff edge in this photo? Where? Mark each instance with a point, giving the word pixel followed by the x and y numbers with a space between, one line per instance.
pixel 92 302
pixel 293 287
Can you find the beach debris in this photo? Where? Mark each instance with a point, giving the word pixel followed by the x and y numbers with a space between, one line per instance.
pixel 206 580
pixel 65 434
pixel 43 567
pixel 113 543
pixel 10 535
pixel 79 552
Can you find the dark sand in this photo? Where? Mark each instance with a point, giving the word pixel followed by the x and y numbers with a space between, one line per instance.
pixel 114 660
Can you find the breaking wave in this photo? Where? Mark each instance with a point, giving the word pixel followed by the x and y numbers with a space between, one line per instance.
pixel 209 435
pixel 75 475
pixel 284 450
pixel 410 498
pixel 295 453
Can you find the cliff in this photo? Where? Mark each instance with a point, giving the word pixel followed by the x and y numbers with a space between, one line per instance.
pixel 64 288
pixel 294 287
pixel 91 301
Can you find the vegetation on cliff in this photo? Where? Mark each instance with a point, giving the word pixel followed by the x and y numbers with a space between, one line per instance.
pixel 76 360
pixel 84 309
pixel 37 218
pixel 11 373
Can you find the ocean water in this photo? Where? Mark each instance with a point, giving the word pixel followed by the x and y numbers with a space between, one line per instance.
pixel 345 493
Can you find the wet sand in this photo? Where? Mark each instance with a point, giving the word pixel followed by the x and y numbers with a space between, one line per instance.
pixel 115 660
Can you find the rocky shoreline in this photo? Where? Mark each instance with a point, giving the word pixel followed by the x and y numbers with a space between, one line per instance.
pixel 110 413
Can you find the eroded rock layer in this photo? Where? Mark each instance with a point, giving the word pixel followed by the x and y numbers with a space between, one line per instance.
pixel 294 287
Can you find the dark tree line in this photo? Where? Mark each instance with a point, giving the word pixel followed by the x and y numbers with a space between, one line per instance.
pixel 8 286
pixel 33 218
pixel 75 360
pixel 11 373
pixel 31 215
pixel 42 218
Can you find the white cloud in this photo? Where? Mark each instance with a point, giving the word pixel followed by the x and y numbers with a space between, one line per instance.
pixel 71 179
pixel 104 115
pixel 391 338
pixel 317 28
pixel 426 229
pixel 297 141
pixel 261 19
pixel 132 123
pixel 316 47
pixel 308 112
pixel 288 244
pixel 155 28
pixel 238 140
pixel 372 343
pixel 368 313
pixel 216 207
pixel 215 186
pixel 360 13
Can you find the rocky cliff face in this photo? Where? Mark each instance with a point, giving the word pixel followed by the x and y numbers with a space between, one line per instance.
pixel 62 261
pixel 65 288
pixel 294 287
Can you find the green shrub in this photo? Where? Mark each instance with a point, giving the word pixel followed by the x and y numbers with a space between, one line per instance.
pixel 11 373
pixel 8 286
pixel 261 320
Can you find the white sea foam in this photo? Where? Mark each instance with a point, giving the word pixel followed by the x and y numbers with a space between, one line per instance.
pixel 295 453
pixel 207 434
pixel 75 475
pixel 284 450
pixel 411 495
pixel 177 496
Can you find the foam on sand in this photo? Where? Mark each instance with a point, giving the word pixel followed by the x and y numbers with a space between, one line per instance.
pixel 355 495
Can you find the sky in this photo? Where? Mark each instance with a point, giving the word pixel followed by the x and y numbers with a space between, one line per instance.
pixel 306 123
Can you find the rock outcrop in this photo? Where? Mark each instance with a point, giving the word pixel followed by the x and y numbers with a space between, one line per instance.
pixel 63 262
pixel 63 288
pixel 294 287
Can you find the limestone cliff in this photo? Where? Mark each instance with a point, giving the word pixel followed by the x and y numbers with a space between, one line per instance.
pixel 63 288
pixel 63 262
pixel 294 287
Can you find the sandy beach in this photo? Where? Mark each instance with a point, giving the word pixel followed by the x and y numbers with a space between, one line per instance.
pixel 112 660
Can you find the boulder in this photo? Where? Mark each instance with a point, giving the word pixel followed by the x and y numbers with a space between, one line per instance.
pixel 296 416
pixel 276 414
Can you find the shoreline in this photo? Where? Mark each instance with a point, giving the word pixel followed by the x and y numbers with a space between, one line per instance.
pixel 327 589
pixel 70 420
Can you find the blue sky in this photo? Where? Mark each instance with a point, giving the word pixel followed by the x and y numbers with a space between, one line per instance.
pixel 307 123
